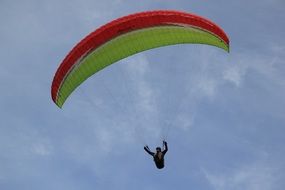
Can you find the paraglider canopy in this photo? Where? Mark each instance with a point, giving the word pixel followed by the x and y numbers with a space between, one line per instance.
pixel 129 35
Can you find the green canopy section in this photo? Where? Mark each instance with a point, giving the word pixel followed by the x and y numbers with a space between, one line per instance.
pixel 129 44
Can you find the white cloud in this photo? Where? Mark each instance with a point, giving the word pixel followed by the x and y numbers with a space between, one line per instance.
pixel 185 122
pixel 42 149
pixel 142 96
pixel 207 87
pixel 234 74
pixel 256 176
pixel 138 68
pixel 105 139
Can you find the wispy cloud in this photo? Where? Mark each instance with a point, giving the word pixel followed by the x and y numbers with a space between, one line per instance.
pixel 42 149
pixel 138 69
pixel 235 73
pixel 258 175
pixel 143 94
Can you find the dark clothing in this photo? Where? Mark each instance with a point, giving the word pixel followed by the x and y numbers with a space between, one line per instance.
pixel 158 157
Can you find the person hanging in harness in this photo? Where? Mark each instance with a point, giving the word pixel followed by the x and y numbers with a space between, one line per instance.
pixel 158 157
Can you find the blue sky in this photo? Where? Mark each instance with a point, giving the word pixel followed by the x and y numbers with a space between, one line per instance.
pixel 222 114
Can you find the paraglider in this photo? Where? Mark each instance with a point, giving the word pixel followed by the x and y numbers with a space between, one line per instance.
pixel 129 35
pixel 158 157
